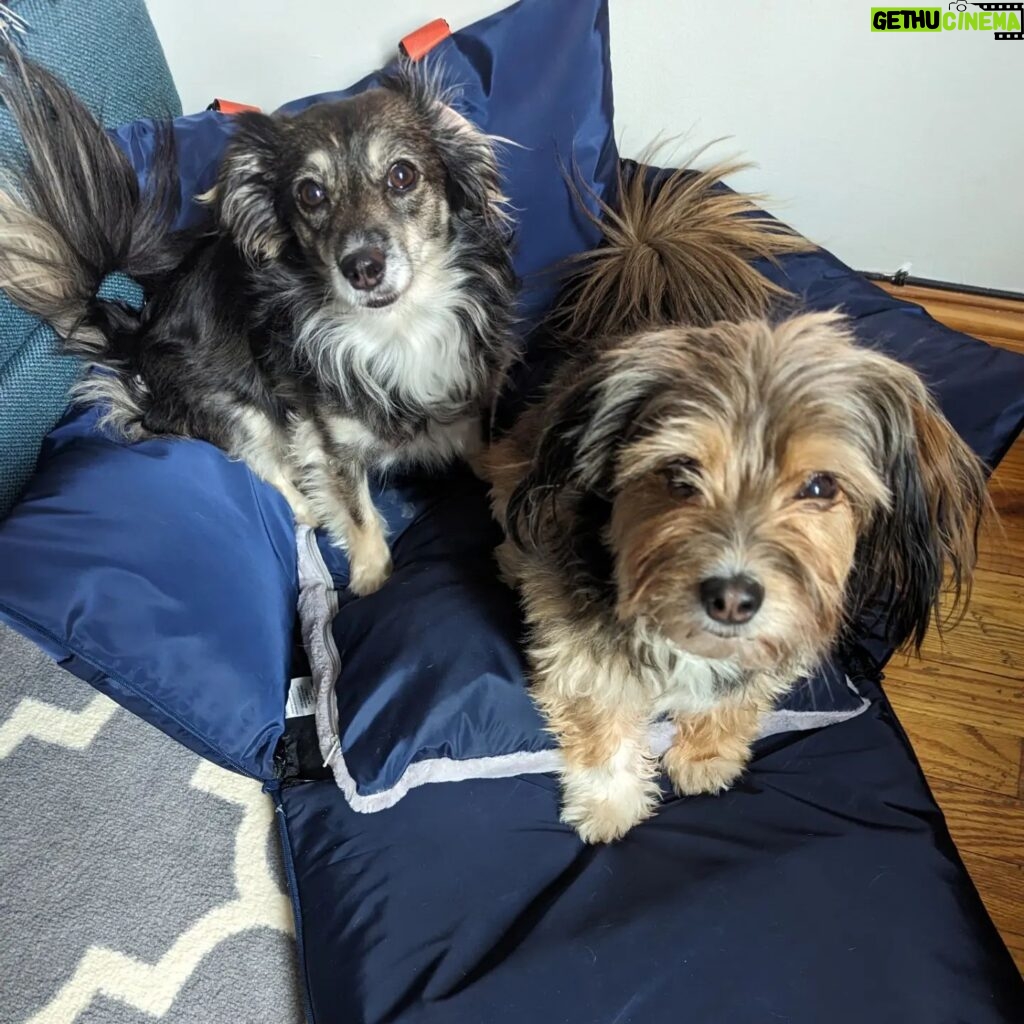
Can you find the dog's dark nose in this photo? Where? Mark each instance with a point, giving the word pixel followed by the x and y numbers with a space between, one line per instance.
pixel 731 600
pixel 364 268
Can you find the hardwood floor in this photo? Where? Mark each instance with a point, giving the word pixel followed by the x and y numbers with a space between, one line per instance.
pixel 963 704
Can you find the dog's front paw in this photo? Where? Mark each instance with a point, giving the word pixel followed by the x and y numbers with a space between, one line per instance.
pixel 604 813
pixel 304 514
pixel 603 822
pixel 708 775
pixel 369 567
pixel 302 510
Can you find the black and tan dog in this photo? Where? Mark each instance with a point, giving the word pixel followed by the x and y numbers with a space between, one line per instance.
pixel 705 497
pixel 348 310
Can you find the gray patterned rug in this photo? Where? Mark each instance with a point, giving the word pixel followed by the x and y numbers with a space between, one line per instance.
pixel 137 881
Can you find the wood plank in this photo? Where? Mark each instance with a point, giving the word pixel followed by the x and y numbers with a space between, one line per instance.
pixel 986 824
pixel 1001 886
pixel 1001 545
pixel 957 695
pixel 1008 479
pixel 962 754
pixel 989 636
pixel 1002 550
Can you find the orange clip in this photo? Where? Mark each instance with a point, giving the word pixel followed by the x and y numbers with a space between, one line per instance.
pixel 230 107
pixel 419 43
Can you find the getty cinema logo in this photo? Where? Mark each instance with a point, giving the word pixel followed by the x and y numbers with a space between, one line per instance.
pixel 959 16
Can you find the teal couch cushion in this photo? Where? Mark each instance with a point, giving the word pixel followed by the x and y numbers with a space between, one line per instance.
pixel 108 52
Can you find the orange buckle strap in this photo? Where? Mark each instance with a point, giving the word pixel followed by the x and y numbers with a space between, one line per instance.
pixel 419 43
pixel 230 107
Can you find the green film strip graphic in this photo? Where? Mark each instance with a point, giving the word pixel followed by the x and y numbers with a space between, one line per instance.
pixel 1019 8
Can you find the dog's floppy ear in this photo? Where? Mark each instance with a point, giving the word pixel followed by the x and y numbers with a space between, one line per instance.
pixel 471 166
pixel 584 430
pixel 926 543
pixel 473 176
pixel 244 199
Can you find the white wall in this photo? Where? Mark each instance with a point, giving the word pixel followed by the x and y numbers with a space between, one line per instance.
pixel 887 149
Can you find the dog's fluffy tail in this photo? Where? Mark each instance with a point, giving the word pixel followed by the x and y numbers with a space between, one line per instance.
pixel 74 213
pixel 677 249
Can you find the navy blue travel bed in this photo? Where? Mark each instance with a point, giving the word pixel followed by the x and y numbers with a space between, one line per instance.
pixel 431 878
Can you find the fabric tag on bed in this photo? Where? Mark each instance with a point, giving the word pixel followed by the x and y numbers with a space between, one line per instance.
pixel 301 700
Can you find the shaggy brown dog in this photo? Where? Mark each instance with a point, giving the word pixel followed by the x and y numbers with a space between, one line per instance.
pixel 694 511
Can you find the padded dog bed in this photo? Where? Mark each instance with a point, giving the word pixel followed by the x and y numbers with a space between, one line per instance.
pixel 431 878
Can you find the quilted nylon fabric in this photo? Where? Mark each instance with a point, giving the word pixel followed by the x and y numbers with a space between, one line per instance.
pixel 822 889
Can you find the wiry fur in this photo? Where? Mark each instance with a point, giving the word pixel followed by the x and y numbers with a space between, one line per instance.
pixel 677 249
pixel 253 336
pixel 681 454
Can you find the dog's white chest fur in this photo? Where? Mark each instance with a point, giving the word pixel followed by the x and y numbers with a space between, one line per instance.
pixel 675 681
pixel 417 350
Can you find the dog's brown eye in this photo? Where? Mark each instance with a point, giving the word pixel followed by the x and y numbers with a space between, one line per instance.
pixel 311 193
pixel 819 487
pixel 402 176
pixel 682 477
